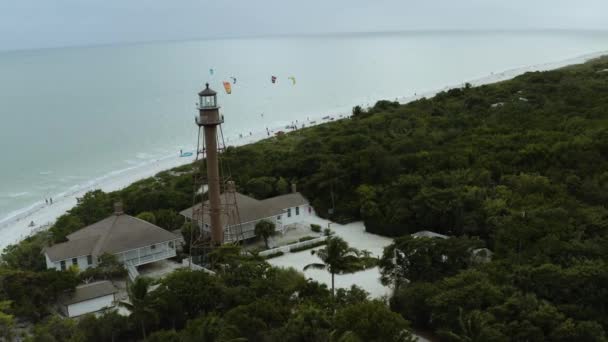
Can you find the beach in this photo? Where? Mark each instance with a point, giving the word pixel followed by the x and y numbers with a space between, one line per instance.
pixel 43 215
pixel 17 227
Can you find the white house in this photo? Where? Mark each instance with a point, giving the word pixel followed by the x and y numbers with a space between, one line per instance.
pixel 133 241
pixel 282 210
pixel 88 298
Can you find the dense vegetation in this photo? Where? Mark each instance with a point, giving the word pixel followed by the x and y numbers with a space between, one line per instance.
pixel 247 300
pixel 520 167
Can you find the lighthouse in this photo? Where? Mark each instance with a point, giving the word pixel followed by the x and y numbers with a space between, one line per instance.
pixel 209 119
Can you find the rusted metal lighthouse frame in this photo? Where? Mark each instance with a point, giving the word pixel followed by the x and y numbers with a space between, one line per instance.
pixel 220 210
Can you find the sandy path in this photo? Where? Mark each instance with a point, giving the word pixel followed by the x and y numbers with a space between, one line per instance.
pixel 356 236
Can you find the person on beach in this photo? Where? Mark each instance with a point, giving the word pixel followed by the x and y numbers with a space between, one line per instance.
pixel 181 153
pixel 46 201
pixel 51 200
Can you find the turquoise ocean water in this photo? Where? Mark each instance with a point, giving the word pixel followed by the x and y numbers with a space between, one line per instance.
pixel 72 115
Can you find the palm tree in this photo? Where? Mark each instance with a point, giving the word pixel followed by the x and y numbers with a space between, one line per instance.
pixel 140 302
pixel 265 229
pixel 472 326
pixel 337 257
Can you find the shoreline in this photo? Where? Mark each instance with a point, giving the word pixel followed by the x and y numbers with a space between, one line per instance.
pixel 16 227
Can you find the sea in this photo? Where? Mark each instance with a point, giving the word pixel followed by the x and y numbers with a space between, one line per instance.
pixel 71 116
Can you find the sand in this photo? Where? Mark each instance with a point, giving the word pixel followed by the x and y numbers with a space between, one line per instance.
pixel 16 228
pixel 356 236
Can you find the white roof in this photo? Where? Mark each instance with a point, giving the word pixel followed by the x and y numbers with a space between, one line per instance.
pixel 429 234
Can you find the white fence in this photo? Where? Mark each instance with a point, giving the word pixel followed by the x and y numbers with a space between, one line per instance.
pixel 186 263
pixel 288 248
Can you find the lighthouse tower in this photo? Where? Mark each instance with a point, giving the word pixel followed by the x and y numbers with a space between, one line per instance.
pixel 220 210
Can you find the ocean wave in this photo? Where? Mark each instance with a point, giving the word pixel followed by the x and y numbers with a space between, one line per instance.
pixel 20 213
pixel 18 194
pixel 143 155
pixel 46 186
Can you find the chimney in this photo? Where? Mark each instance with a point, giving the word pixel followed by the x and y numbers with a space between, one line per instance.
pixel 118 209
pixel 293 188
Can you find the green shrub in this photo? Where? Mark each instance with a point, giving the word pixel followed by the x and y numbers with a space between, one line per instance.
pixel 306 238
pixel 273 255
pixel 315 228
pixel 303 248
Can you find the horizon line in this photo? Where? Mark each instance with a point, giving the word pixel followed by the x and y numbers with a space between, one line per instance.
pixel 302 35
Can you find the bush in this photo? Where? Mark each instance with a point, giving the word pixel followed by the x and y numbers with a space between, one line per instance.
pixel 273 255
pixel 147 216
pixel 306 238
pixel 303 248
pixel 315 228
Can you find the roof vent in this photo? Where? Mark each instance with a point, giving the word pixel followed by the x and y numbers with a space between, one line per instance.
pixel 118 209
pixel 294 189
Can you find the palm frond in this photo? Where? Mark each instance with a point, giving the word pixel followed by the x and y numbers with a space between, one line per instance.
pixel 352 251
pixel 315 266
pixel 126 305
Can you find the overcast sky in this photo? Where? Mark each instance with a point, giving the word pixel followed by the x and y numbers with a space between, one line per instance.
pixel 48 23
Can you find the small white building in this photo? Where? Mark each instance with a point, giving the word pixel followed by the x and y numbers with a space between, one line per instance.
pixel 133 241
pixel 283 210
pixel 88 298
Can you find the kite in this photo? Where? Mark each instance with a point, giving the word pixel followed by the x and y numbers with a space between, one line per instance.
pixel 293 80
pixel 273 79
pixel 227 87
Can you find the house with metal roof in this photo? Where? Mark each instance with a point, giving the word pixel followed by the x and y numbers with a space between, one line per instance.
pixel 133 241
pixel 88 298
pixel 283 210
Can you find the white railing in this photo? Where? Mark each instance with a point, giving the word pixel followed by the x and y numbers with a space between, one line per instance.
pixel 188 264
pixel 132 271
pixel 288 248
pixel 148 258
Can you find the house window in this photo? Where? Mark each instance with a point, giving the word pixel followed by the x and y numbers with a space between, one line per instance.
pixel 62 265
pixel 288 212
pixel 153 247
pixel 297 210
pixel 74 261
pixel 279 217
pixel 89 260
pixel 170 244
